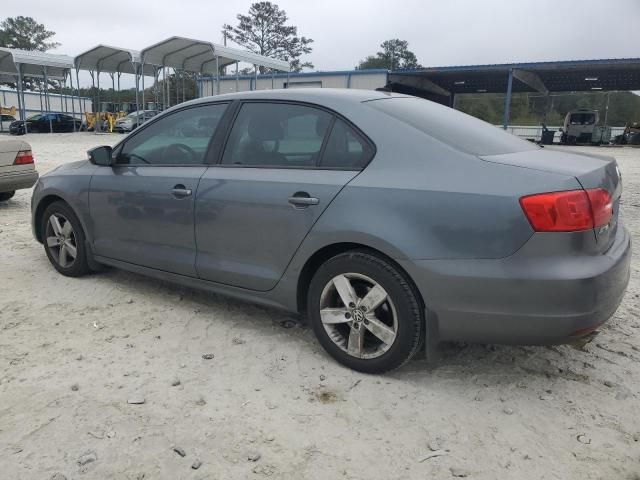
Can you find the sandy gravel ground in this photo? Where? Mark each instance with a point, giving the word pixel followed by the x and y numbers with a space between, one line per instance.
pixel 270 403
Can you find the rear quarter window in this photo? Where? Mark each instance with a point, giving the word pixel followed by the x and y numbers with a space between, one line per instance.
pixel 458 130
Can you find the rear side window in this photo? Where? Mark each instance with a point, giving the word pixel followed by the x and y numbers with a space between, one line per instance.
pixel 456 129
pixel 180 138
pixel 277 135
pixel 346 148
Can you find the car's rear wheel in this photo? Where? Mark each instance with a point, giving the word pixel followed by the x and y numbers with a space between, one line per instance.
pixel 4 196
pixel 365 312
pixel 64 240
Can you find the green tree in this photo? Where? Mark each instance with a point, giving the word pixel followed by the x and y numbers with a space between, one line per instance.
pixel 395 54
pixel 264 31
pixel 25 33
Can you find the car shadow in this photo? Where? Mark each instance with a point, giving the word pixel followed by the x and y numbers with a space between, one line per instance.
pixel 484 364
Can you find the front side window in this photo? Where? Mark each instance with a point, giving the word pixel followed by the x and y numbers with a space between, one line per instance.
pixel 277 135
pixel 181 138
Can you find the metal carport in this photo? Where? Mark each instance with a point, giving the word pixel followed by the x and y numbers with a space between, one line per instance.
pixel 115 61
pixel 202 58
pixel 23 63
pixel 443 83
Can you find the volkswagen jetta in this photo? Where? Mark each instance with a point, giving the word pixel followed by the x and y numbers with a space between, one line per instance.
pixel 367 211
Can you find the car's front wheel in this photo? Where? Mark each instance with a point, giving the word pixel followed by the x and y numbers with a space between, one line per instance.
pixel 64 240
pixel 365 312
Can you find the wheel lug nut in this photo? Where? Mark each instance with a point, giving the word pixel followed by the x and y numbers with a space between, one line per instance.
pixel 352 305
pixel 347 315
pixel 366 322
pixel 363 308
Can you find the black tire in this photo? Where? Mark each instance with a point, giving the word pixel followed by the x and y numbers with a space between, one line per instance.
pixel 79 266
pixel 4 196
pixel 400 290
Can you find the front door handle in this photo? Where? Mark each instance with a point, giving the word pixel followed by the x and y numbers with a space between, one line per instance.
pixel 302 200
pixel 180 191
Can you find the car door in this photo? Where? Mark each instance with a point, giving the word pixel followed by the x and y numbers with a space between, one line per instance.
pixel 142 208
pixel 65 123
pixel 254 208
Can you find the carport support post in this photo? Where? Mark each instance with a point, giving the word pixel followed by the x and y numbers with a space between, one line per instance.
pixel 255 69
pixel 156 72
pixel 19 101
pixel 118 94
pixel 175 76
pixel 97 127
pixel 46 98
pixel 165 99
pixel 237 79
pixel 217 75
pixel 507 100
pixel 23 113
pixel 73 101
pixel 183 74
pixel 82 110
pixel 137 102
pixel 144 106
pixel 113 85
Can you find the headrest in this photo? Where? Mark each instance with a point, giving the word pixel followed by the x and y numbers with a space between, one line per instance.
pixel 263 127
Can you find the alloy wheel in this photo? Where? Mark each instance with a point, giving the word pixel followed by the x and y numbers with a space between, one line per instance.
pixel 358 315
pixel 61 240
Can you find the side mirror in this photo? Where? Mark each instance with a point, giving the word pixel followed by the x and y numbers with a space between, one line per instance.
pixel 101 156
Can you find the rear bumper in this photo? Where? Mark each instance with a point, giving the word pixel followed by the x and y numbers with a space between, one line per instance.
pixel 524 300
pixel 18 181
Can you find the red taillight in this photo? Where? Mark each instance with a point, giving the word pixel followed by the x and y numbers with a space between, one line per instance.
pixel 568 211
pixel 24 157
pixel 601 205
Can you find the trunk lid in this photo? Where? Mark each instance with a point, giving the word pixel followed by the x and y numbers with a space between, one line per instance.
pixel 591 170
pixel 8 151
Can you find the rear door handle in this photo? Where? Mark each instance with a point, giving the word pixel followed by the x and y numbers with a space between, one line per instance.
pixel 180 191
pixel 302 200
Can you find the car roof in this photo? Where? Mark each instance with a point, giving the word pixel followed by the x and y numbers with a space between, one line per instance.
pixel 315 95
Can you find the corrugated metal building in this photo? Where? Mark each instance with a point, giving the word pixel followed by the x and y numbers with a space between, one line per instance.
pixel 361 79
pixel 35 102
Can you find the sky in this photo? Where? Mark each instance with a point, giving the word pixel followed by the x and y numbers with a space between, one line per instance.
pixel 439 32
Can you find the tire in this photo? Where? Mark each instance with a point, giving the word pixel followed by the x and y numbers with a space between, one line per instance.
pixel 4 196
pixel 64 263
pixel 400 312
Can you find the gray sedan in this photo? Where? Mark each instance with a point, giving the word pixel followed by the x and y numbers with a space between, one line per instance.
pixel 391 222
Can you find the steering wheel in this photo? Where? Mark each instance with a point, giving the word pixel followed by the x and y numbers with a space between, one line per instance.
pixel 179 149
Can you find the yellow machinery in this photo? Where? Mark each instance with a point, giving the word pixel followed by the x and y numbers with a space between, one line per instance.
pixel 8 111
pixel 108 117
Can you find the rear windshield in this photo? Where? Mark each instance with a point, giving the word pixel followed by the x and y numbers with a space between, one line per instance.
pixel 459 130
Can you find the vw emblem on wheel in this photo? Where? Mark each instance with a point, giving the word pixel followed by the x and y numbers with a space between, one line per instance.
pixel 358 316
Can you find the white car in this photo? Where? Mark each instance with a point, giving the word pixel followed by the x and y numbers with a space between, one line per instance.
pixel 17 170
pixel 5 122
pixel 134 120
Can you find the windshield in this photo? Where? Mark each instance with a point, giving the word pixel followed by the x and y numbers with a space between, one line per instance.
pixel 456 129
pixel 583 118
pixel 35 117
